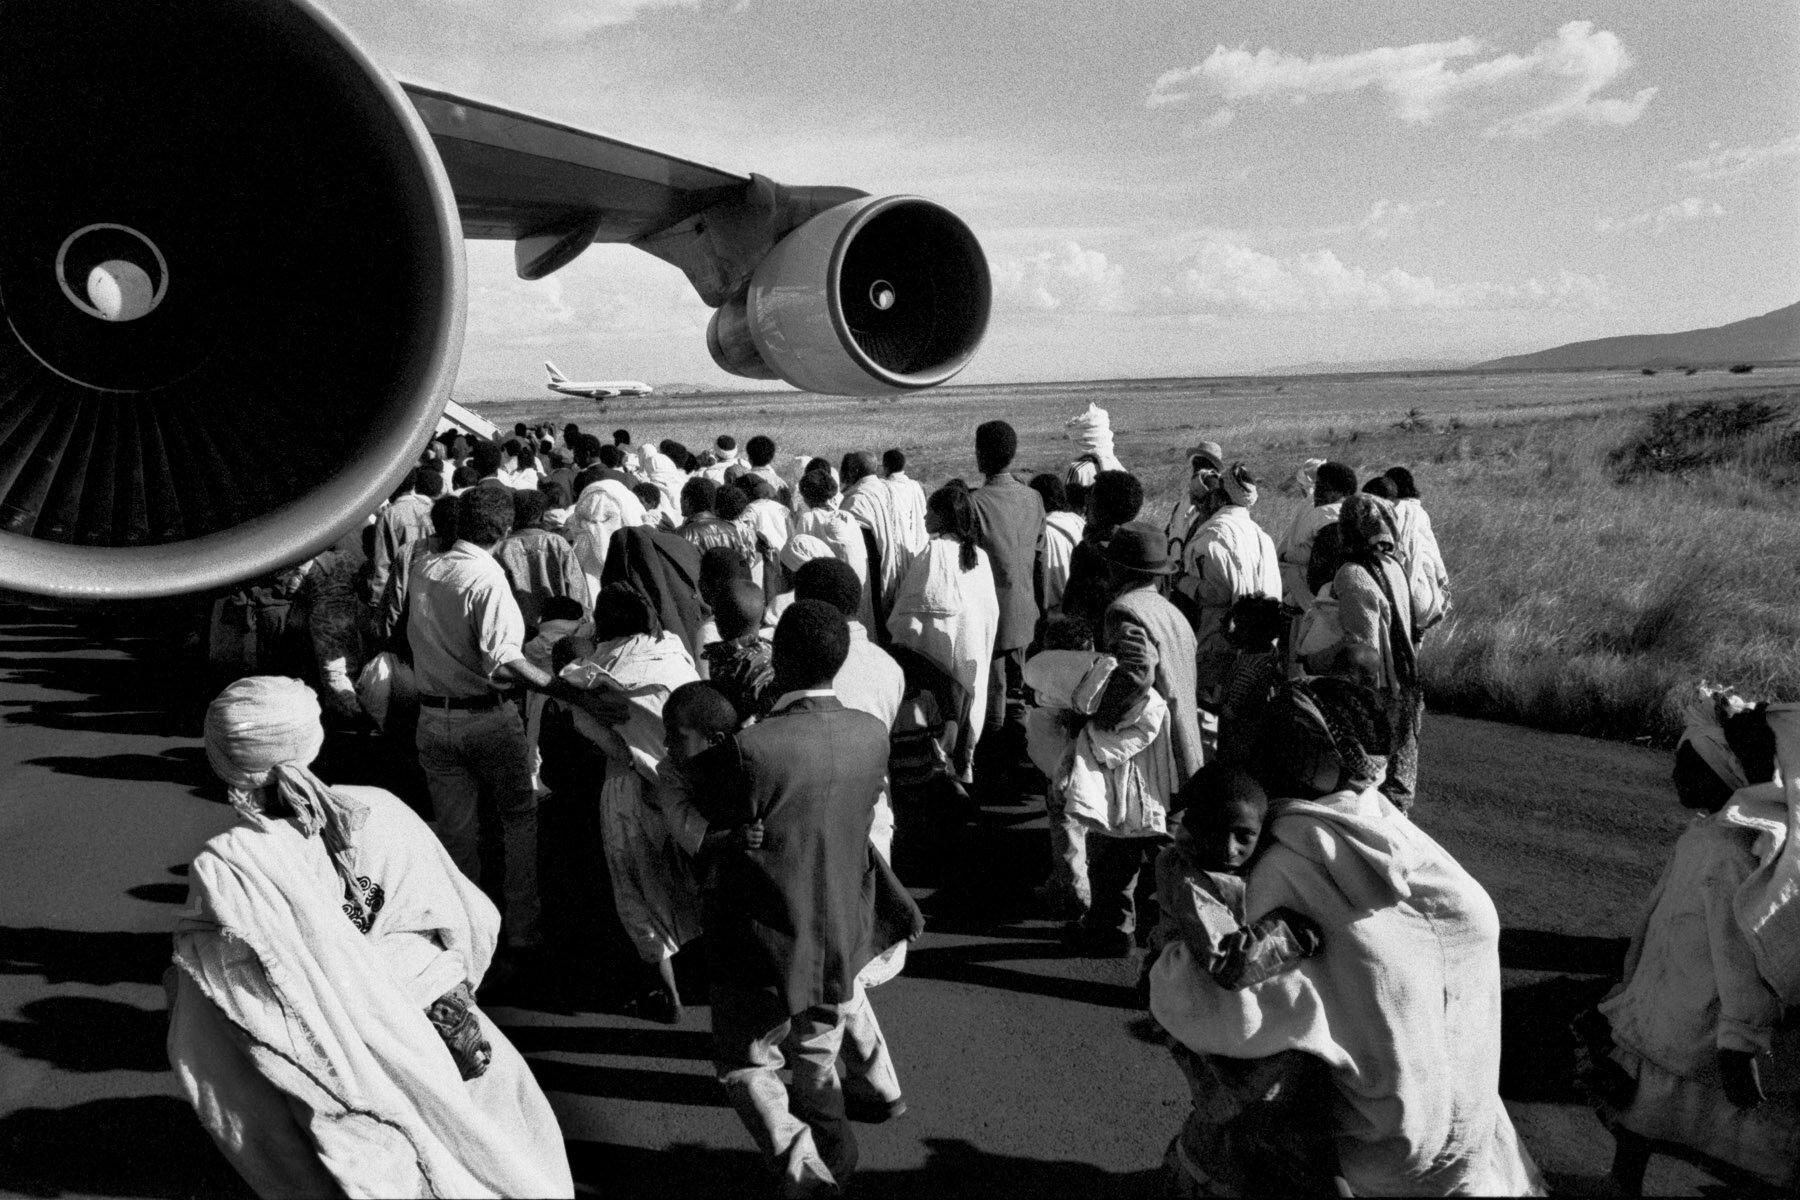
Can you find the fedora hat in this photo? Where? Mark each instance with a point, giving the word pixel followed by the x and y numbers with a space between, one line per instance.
pixel 1140 549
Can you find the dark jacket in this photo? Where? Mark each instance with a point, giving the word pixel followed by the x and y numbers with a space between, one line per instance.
pixel 1009 523
pixel 798 915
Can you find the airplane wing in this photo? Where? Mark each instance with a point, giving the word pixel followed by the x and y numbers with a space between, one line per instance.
pixel 553 189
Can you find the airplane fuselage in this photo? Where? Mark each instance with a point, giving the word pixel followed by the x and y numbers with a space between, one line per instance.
pixel 602 390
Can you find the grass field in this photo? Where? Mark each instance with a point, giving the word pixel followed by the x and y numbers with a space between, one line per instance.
pixel 1583 603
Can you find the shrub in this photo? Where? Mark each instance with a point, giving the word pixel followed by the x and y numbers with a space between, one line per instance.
pixel 1679 439
pixel 1742 368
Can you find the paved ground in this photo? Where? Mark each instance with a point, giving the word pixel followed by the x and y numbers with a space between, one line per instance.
pixel 1028 1074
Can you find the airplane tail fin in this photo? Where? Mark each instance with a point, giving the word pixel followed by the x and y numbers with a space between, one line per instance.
pixel 556 376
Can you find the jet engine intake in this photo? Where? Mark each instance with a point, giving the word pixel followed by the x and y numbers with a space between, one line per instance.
pixel 231 292
pixel 876 295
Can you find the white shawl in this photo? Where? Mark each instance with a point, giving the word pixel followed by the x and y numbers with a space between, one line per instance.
pixel 303 1043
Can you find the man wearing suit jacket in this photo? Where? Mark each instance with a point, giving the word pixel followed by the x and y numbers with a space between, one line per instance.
pixel 791 918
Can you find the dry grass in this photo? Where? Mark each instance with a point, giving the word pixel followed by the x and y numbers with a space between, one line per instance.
pixel 1583 603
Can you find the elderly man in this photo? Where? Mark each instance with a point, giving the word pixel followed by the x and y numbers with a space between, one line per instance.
pixel 321 1016
pixel 467 638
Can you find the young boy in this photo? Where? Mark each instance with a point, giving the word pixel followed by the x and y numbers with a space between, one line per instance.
pixel 1200 885
pixel 1254 1118
pixel 697 720
pixel 738 665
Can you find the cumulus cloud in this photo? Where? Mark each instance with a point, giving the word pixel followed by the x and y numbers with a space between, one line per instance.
pixel 1065 276
pixel 1223 275
pixel 1740 160
pixel 1522 95
pixel 1658 219
pixel 604 294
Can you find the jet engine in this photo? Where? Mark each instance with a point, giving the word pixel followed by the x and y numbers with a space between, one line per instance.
pixel 872 296
pixel 231 277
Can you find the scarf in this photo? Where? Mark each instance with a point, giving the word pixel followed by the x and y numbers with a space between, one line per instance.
pixel 1705 731
pixel 261 735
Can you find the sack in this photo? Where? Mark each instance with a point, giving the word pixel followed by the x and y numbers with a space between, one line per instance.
pixel 385 683
pixel 1318 630
pixel 1430 601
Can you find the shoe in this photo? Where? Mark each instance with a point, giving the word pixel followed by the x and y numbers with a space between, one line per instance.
pixel 873 1112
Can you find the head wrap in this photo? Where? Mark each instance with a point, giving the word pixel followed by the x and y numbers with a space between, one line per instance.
pixel 801 549
pixel 1705 732
pixel 1368 525
pixel 1239 487
pixel 261 735
pixel 1320 703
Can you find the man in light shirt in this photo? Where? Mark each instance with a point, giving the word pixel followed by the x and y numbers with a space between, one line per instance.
pixel 467 638
pixel 909 500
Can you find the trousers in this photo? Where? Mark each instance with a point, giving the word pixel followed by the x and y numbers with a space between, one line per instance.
pixel 800 1127
pixel 471 755
pixel 1114 864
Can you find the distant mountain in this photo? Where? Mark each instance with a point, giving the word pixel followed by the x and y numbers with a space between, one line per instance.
pixel 1770 337
pixel 1369 367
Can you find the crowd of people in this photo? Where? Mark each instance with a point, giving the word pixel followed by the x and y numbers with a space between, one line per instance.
pixel 752 668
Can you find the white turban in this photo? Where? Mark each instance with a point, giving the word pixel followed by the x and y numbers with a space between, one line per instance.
pixel 263 733
pixel 1239 487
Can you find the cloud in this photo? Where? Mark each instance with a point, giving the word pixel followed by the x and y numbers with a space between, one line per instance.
pixel 609 292
pixel 1557 81
pixel 1065 276
pixel 557 20
pixel 1658 219
pixel 1742 160
pixel 1223 275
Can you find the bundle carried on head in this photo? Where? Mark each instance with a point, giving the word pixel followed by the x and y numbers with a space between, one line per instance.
pixel 1092 431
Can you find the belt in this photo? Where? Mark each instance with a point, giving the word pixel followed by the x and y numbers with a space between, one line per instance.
pixel 453 703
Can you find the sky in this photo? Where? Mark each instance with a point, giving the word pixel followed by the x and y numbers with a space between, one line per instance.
pixel 1173 189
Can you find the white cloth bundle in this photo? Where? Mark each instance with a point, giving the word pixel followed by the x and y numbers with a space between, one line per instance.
pixel 1092 431
pixel 1073 679
pixel 1767 904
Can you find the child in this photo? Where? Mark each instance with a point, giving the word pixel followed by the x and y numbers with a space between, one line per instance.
pixel 1252 627
pixel 1255 1116
pixel 738 665
pixel 1677 1052
pixel 653 889
pixel 1200 885
pixel 1049 736
pixel 697 720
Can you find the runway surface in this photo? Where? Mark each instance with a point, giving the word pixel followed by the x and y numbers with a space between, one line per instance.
pixel 1027 1073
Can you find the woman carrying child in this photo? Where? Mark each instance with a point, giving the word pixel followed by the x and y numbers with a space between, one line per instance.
pixel 1688 1048
pixel 653 888
pixel 1402 1001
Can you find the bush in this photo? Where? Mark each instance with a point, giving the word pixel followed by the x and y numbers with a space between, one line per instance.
pixel 1742 368
pixel 1679 439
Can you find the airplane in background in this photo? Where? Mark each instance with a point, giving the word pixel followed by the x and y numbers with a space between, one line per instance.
pixel 599 389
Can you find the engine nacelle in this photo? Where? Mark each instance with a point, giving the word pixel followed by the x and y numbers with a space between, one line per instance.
pixel 876 295
pixel 231 292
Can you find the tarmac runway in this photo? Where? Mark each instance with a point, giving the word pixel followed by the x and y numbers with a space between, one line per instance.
pixel 1027 1073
